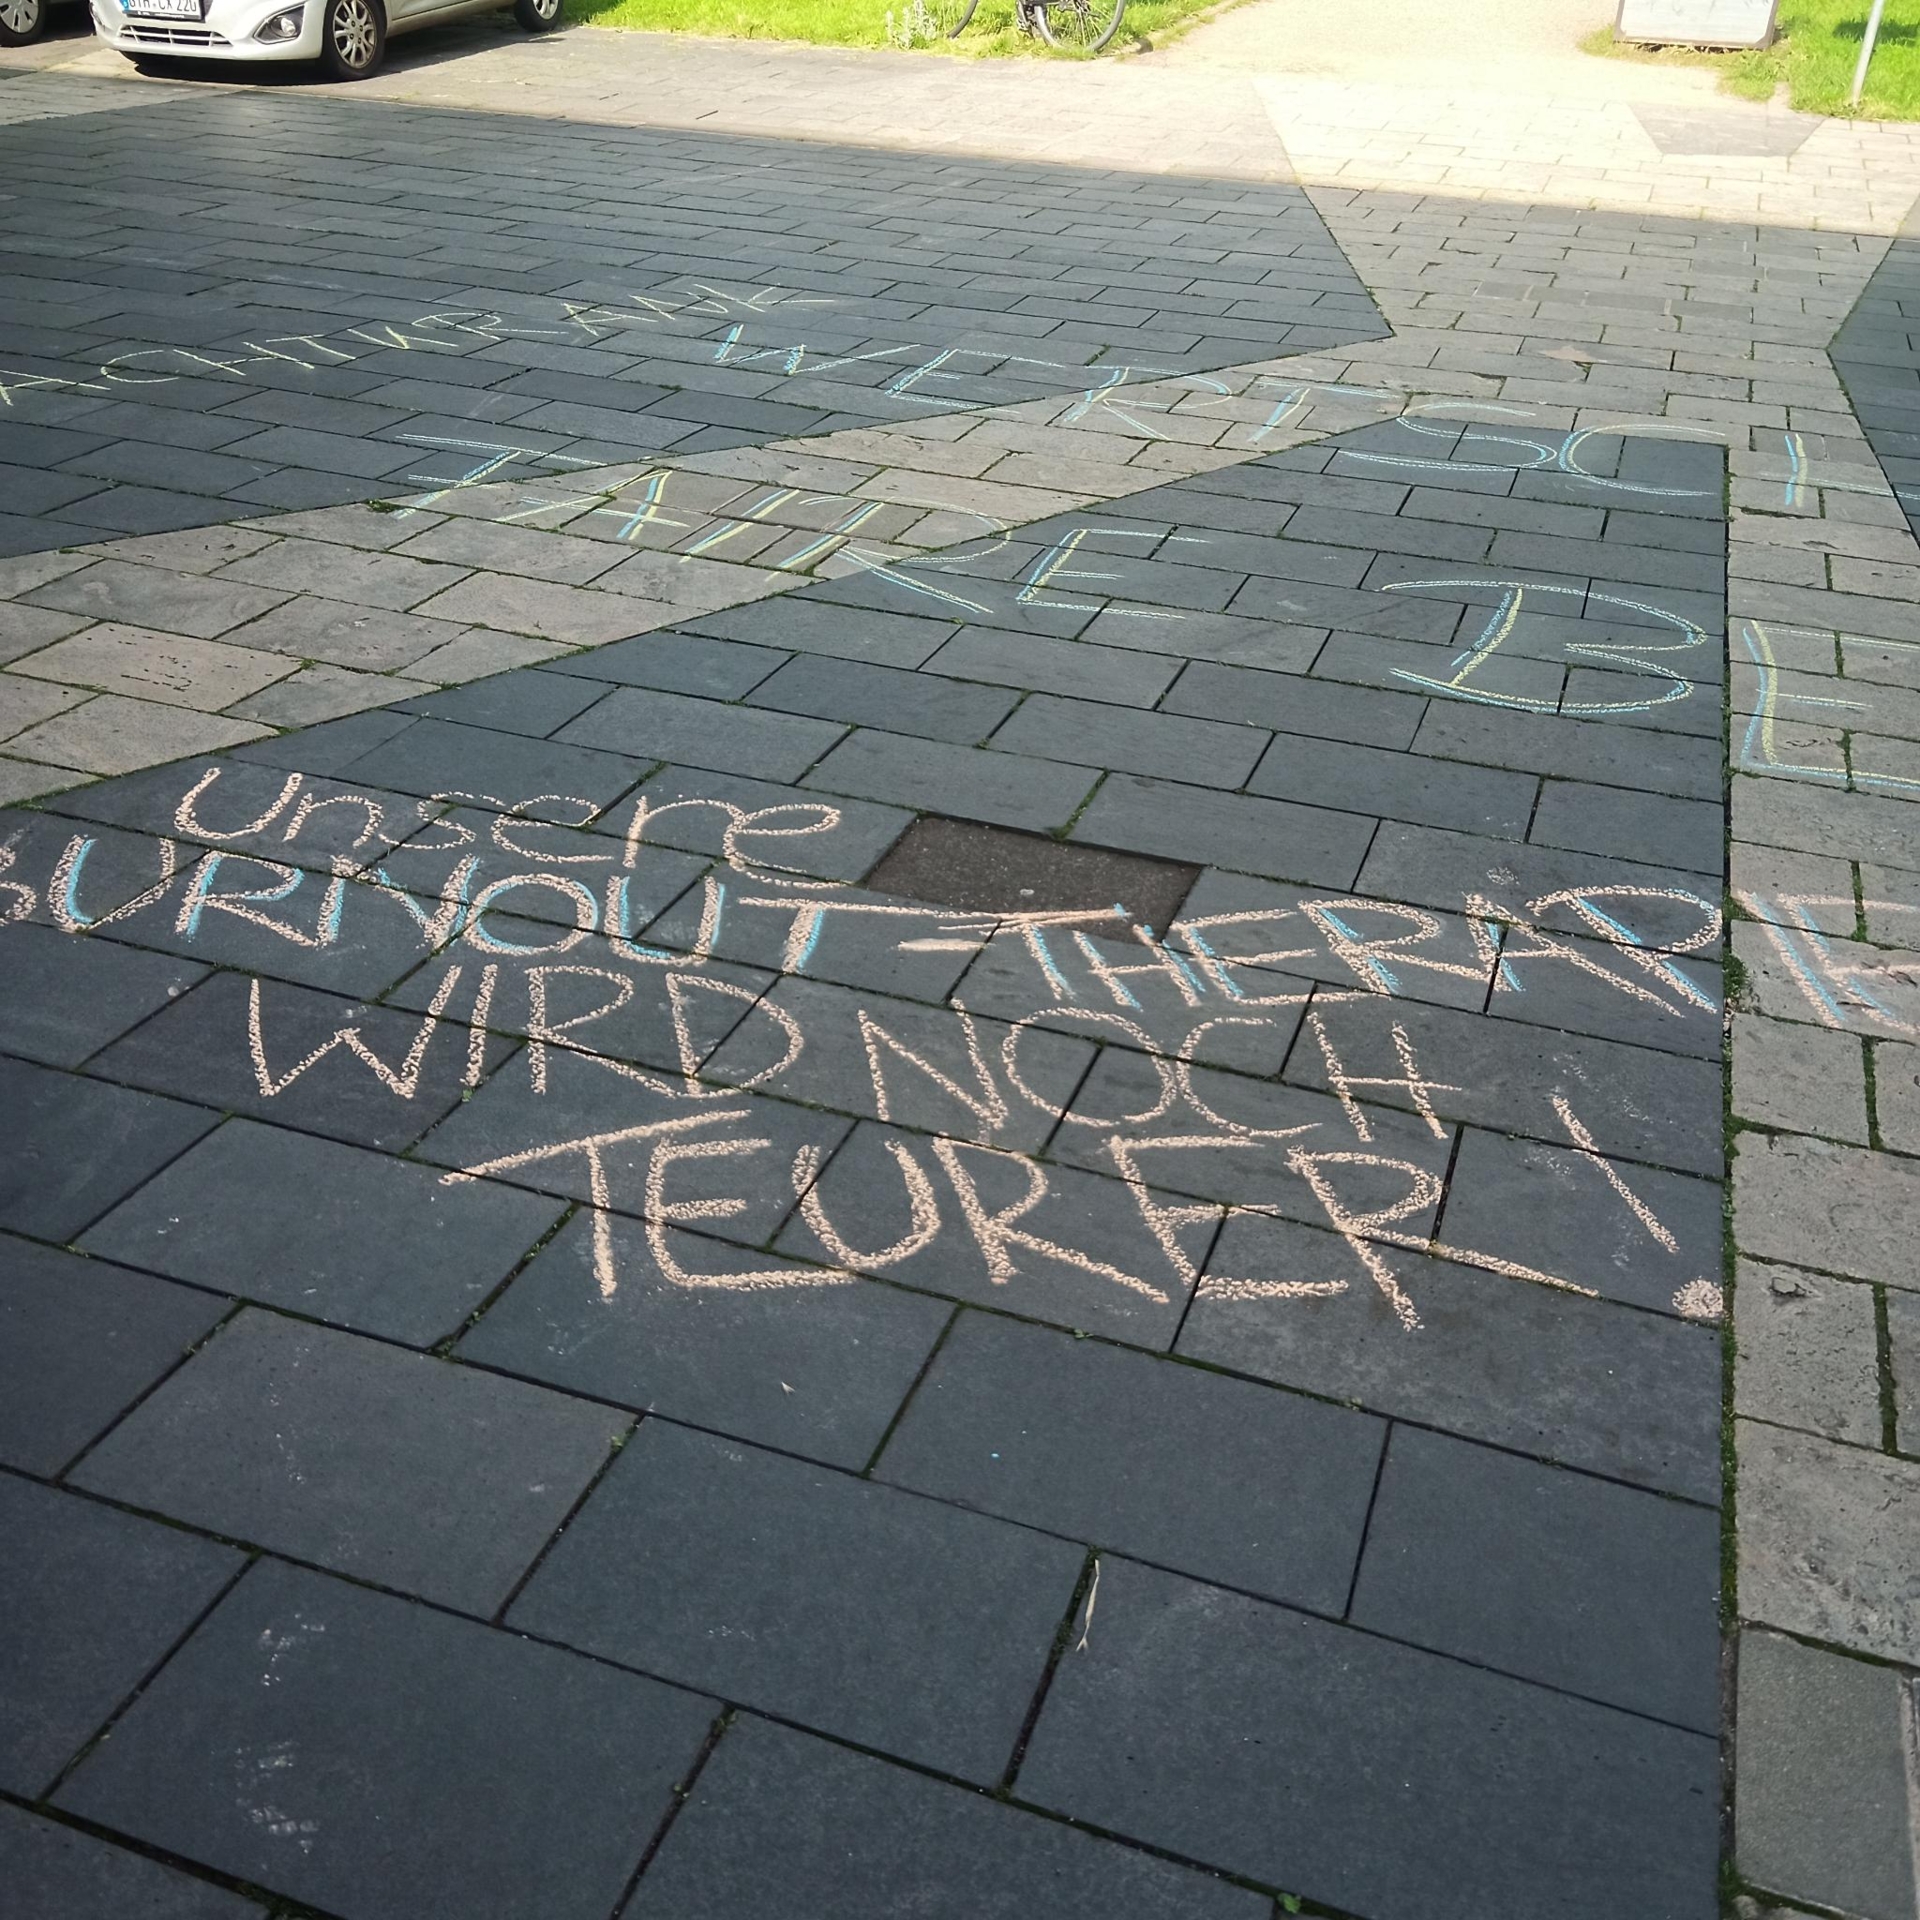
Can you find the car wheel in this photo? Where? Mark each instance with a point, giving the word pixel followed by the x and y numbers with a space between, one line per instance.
pixel 24 20
pixel 537 16
pixel 353 38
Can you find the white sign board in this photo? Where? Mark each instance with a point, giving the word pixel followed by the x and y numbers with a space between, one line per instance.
pixel 1697 23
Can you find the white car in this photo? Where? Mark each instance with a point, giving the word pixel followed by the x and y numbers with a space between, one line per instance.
pixel 347 37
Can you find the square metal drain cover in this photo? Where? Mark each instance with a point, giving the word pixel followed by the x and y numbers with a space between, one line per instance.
pixel 959 863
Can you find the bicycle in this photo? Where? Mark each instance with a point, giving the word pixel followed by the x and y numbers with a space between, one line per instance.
pixel 1068 26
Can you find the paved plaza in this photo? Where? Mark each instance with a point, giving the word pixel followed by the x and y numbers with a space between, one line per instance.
pixel 955 990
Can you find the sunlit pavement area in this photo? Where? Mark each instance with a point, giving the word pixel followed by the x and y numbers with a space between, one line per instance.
pixel 953 990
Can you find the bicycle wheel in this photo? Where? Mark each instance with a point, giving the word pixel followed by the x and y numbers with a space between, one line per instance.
pixel 947 17
pixel 1079 26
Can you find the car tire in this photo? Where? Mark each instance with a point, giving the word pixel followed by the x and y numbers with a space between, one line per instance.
pixel 537 16
pixel 22 21
pixel 353 38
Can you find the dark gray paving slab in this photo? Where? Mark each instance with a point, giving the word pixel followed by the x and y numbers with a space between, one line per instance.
pixel 1252 938
pixel 1203 753
pixel 1599 1589
pixel 145 510
pixel 242 808
pixel 80 1340
pixel 676 663
pixel 142 462
pixel 389 1466
pixel 1231 639
pixel 525 701
pixel 1408 532
pixel 846 633
pixel 1643 913
pixel 81 886
pixel 328 747
pixel 1682 534
pixel 1294 555
pixel 979 1224
pixel 723 1160
pixel 1135 990
pixel 1578 1809
pixel 1313 845
pixel 924 703
pixel 28 490
pixel 1677 579
pixel 1127 1452
pixel 1077 667
pixel 327 1230
pixel 533 863
pixel 892 1621
pixel 93 1600
pixel 1432 621
pixel 435 757
pixel 1434 867
pixel 1555 1210
pixel 308 1074
pixel 1008 789
pixel 278 911
pixel 724 738
pixel 66 998
pixel 879 1058
pixel 1426 663
pixel 1631 1101
pixel 757 826
pixel 1227 1136
pixel 1401 786
pixel 1290 703
pixel 1009 604
pixel 793 1356
pixel 309 1721
pixel 76 1147
pixel 60 1871
pixel 1645 759
pixel 782 1823
pixel 595 998
pixel 1590 986
pixel 1632 1395
pixel 284 922
pixel 1605 690
pixel 1637 826
pixel 1165 582
pixel 850 935
pixel 327 452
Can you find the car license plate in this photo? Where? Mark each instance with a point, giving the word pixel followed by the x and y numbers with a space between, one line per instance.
pixel 164 9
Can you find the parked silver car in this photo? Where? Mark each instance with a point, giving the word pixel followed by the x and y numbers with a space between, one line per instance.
pixel 348 38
